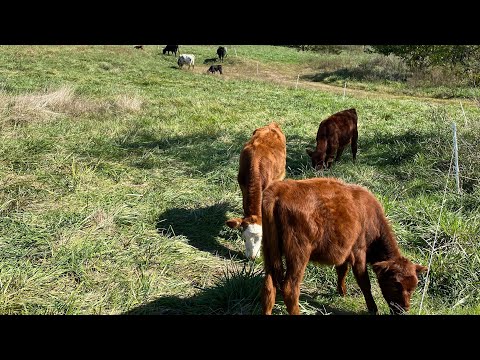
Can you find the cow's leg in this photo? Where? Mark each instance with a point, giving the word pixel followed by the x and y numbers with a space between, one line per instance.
pixel 361 275
pixel 322 148
pixel 341 275
pixel 291 287
pixel 244 198
pixel 331 150
pixel 269 292
pixel 339 153
pixel 354 144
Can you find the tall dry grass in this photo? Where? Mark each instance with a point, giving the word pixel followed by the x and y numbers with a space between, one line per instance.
pixel 36 107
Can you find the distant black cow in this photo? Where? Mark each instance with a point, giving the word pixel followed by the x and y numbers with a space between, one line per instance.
pixel 140 47
pixel 221 52
pixel 214 68
pixel 211 60
pixel 170 48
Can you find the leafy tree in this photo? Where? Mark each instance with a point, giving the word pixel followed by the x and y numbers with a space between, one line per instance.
pixel 466 57
pixel 335 49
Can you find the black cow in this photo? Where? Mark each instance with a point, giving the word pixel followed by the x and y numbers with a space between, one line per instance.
pixel 170 48
pixel 139 47
pixel 211 60
pixel 214 68
pixel 221 52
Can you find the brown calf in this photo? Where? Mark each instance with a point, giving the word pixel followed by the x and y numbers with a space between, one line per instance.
pixel 262 161
pixel 334 133
pixel 330 222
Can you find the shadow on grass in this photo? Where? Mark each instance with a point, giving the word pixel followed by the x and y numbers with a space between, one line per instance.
pixel 383 150
pixel 396 155
pixel 339 74
pixel 200 152
pixel 200 226
pixel 379 69
pixel 237 293
pixel 297 158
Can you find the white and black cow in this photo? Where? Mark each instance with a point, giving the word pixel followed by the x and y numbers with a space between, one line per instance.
pixel 186 59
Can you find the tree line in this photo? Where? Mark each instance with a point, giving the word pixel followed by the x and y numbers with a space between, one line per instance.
pixel 459 58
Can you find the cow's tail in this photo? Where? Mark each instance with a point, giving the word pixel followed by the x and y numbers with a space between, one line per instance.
pixel 271 241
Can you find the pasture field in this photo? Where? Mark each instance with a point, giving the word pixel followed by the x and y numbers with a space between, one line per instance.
pixel 118 171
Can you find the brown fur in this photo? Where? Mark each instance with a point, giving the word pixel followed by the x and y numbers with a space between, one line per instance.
pixel 262 161
pixel 328 221
pixel 333 135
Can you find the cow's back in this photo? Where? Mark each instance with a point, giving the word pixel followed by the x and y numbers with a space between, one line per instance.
pixel 325 216
pixel 342 124
pixel 264 153
pixel 186 59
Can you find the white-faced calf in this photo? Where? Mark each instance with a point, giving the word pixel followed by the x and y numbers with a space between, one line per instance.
pixel 262 161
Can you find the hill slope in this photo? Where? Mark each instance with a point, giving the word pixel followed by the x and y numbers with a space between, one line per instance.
pixel 118 170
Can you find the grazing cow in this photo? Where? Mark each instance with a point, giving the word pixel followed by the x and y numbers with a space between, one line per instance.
pixel 262 161
pixel 334 133
pixel 186 59
pixel 214 68
pixel 211 60
pixel 170 48
pixel 139 47
pixel 221 52
pixel 330 222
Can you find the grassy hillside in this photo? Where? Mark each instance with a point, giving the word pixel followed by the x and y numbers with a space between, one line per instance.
pixel 118 170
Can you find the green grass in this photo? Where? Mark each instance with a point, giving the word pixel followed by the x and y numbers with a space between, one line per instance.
pixel 118 171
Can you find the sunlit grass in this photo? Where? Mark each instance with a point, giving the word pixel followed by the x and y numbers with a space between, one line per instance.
pixel 118 170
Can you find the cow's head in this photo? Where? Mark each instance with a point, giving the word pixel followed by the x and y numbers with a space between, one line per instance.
pixel 251 228
pixel 317 158
pixel 398 279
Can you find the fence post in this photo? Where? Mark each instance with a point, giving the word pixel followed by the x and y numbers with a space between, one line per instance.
pixel 344 89
pixel 455 149
pixel 296 85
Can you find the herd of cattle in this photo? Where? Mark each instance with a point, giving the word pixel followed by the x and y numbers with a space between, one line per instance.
pixel 189 59
pixel 321 219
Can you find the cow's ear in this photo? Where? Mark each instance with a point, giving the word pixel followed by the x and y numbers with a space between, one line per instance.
pixel 420 268
pixel 309 152
pixel 234 223
pixel 380 267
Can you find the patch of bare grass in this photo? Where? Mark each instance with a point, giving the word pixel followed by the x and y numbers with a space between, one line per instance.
pixel 37 107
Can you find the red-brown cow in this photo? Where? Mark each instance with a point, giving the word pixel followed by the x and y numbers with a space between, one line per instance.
pixel 262 161
pixel 334 133
pixel 328 221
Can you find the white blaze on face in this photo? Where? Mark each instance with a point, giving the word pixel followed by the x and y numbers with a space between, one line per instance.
pixel 253 240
